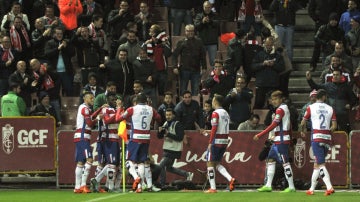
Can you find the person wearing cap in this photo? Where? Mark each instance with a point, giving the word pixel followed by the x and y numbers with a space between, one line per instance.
pixel 312 99
pixel 352 42
pixel 326 36
pixel 344 22
pixel 44 108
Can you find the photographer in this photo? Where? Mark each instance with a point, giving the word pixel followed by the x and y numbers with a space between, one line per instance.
pixel 173 133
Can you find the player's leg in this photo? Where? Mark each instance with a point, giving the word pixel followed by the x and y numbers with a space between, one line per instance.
pixel 283 150
pixel 222 170
pixel 211 155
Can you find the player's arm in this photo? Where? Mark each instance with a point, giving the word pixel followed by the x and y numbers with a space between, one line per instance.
pixel 306 117
pixel 279 114
pixel 214 125
pixel 157 116
pixel 333 122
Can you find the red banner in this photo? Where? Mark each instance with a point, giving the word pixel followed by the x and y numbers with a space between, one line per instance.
pixel 355 160
pixel 336 159
pixel 240 159
pixel 28 144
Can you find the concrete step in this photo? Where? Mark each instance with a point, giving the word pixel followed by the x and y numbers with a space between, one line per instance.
pixel 303 51
pixel 301 81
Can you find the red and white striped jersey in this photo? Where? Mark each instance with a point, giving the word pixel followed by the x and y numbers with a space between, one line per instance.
pixel 84 112
pixel 140 117
pixel 321 115
pixel 109 122
pixel 220 119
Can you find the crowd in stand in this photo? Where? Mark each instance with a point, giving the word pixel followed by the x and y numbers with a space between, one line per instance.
pixel 58 48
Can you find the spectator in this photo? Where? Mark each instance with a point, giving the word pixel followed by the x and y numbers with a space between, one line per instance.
pixel 168 103
pixel 90 56
pixel 130 26
pixel 60 51
pixel 20 39
pixel 326 36
pixel 207 111
pixel 11 103
pixel 218 82
pixel 26 81
pixel 192 60
pixel 340 52
pixel 344 22
pixel 39 8
pixel 91 86
pixel 138 88
pixel 90 8
pixel 51 21
pixel 49 82
pixel 132 46
pixel 145 72
pixel 9 18
pixel 158 49
pixel 69 11
pixel 319 11
pixel 239 102
pixel 121 72
pixel 312 99
pixel 268 63
pixel 208 29
pixel 340 97
pixel 8 60
pixel 251 124
pixel 44 108
pixel 39 37
pixel 251 16
pixel 180 12
pixel 327 75
pixel 252 46
pixel 352 42
pixel 98 34
pixel 235 56
pixel 100 99
pixel 117 21
pixel 285 13
pixel 189 113
pixel 144 19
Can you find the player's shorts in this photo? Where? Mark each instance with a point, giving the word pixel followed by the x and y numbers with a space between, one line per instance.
pixel 112 152
pixel 83 151
pixel 137 152
pixel 100 152
pixel 215 153
pixel 320 151
pixel 279 152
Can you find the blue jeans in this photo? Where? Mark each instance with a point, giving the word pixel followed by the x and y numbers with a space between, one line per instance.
pixel 250 21
pixel 211 51
pixel 66 80
pixel 286 35
pixel 179 16
pixel 193 77
pixel 56 105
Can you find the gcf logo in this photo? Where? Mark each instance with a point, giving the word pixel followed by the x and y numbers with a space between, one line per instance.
pixel 8 138
pixel 299 153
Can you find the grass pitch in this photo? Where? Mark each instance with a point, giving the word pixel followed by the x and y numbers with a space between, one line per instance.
pixel 174 196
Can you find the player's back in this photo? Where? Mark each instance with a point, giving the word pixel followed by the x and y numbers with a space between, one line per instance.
pixel 321 115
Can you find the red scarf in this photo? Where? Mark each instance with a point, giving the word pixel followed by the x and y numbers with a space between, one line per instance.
pixel 97 34
pixel 7 54
pixel 15 38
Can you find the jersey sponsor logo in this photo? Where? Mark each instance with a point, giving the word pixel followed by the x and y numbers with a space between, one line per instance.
pixel 300 153
pixel 8 138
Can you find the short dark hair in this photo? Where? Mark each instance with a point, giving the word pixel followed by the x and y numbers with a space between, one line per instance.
pixel 170 110
pixel 169 93
pixel 96 17
pixel 321 93
pixel 219 99
pixel 254 116
pixel 186 92
pixel 110 83
pixel 141 98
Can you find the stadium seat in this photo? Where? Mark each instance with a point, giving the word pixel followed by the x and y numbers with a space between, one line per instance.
pixel 70 103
